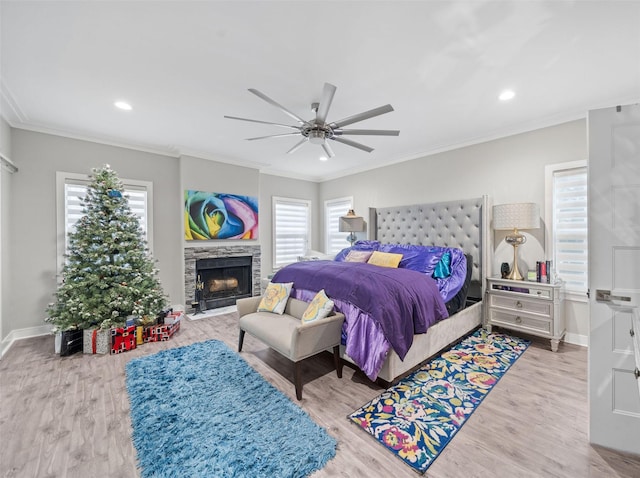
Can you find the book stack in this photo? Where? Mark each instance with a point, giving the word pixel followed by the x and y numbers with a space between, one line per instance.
pixel 543 271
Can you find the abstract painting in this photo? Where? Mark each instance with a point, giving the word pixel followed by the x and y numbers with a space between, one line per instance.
pixel 219 216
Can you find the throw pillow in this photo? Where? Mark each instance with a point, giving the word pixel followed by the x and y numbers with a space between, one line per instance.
pixel 319 308
pixel 385 259
pixel 275 297
pixel 443 268
pixel 358 256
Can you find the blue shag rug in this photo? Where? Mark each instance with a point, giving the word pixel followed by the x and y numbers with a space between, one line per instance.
pixel 417 418
pixel 202 411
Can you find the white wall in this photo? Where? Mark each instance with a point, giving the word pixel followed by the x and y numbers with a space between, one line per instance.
pixel 33 227
pixel 509 169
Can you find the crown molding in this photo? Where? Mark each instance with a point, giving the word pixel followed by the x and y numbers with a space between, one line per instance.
pixel 8 164
pixel 11 105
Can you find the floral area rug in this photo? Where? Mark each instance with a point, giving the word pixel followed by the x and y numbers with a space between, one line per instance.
pixel 417 418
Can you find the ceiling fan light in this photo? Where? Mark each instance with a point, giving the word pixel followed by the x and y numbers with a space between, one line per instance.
pixel 316 136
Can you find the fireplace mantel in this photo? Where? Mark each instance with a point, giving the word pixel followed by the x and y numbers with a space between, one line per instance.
pixel 192 254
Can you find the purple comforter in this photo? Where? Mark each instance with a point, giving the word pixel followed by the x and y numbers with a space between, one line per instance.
pixel 396 303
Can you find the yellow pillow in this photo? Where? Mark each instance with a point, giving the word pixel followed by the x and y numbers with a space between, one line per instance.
pixel 385 259
pixel 319 308
pixel 275 297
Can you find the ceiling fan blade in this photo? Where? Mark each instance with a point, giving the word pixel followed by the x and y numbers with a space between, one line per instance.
pixel 263 122
pixel 380 110
pixel 352 143
pixel 370 132
pixel 328 150
pixel 325 103
pixel 277 105
pixel 297 146
pixel 274 136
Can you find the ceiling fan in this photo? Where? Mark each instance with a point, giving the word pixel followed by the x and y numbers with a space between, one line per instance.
pixel 318 130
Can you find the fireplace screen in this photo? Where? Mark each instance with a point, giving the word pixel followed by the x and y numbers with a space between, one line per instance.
pixel 223 280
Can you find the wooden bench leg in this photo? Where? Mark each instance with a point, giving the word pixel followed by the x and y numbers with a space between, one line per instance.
pixel 337 360
pixel 297 379
pixel 240 340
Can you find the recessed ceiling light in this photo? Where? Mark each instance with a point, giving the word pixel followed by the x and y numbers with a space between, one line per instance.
pixel 506 95
pixel 323 158
pixel 123 105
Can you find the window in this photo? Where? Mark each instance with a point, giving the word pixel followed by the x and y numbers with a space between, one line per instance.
pixel 73 187
pixel 567 214
pixel 291 230
pixel 334 240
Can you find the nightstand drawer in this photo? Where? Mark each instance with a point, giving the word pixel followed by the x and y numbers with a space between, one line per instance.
pixel 522 322
pixel 517 304
pixel 525 288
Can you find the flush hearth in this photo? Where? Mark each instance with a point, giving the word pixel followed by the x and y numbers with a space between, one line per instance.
pixel 223 280
pixel 222 289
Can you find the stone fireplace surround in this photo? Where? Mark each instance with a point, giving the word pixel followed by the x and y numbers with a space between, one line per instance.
pixel 192 254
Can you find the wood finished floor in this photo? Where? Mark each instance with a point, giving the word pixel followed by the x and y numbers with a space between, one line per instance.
pixel 69 417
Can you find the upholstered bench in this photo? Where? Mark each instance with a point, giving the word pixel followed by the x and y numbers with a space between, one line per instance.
pixel 288 335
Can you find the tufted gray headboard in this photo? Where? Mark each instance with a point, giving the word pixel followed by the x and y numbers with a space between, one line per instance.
pixel 460 223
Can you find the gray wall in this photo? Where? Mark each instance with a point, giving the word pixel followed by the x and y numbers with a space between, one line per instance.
pixel 292 188
pixel 32 234
pixel 509 169
pixel 5 208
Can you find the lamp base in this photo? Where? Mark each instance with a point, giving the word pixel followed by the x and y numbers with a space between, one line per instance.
pixel 515 239
pixel 514 274
pixel 352 238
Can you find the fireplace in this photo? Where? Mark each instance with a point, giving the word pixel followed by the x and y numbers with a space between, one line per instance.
pixel 192 260
pixel 223 280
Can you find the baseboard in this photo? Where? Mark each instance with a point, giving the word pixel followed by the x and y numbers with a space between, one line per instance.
pixel 577 339
pixel 19 334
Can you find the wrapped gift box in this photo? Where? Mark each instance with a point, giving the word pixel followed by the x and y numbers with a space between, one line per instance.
pixel 173 317
pixel 160 333
pixel 123 339
pixel 96 341
pixel 139 334
pixel 70 342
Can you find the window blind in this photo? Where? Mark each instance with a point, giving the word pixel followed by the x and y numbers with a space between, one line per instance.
pixel 76 190
pixel 570 228
pixel 291 230
pixel 335 240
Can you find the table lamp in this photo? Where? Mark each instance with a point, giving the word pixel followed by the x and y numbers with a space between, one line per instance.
pixel 513 217
pixel 352 224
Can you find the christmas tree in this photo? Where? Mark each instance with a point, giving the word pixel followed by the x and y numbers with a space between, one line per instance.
pixel 109 273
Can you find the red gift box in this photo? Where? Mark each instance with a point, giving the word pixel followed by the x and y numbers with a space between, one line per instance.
pixel 123 339
pixel 160 333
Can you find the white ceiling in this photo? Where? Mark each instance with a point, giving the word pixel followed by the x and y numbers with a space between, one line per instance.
pixel 184 65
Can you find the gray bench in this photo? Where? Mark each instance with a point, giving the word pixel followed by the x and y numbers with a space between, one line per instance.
pixel 289 336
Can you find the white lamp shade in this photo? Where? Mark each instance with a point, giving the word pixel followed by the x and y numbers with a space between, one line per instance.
pixel 516 216
pixel 351 222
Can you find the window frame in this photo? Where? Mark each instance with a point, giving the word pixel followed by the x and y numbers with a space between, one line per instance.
pixel 275 200
pixel 64 178
pixel 328 234
pixel 550 171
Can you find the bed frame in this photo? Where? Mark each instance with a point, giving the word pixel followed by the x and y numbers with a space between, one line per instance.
pixel 463 224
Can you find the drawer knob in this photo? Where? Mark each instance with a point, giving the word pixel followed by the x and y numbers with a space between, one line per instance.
pixel 636 373
pixel 631 332
pixel 519 305
pixel 518 320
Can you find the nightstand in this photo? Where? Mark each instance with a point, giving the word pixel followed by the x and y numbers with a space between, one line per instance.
pixel 531 307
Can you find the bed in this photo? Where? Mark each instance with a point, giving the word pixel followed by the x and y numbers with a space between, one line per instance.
pixel 458 226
